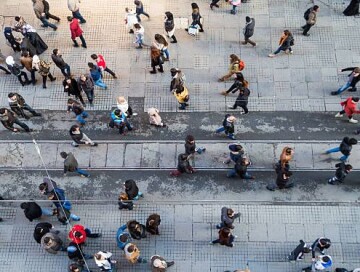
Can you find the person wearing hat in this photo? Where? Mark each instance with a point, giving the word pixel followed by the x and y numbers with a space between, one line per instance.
pixel 79 233
pixel 350 108
pixel 159 264
pixel 16 70
pixel 228 126
pixel 354 78
pixel 119 120
pixel 76 31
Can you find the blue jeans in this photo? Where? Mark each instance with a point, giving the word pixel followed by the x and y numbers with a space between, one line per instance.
pixel 46 212
pixel 139 12
pixel 77 15
pixel 344 87
pixel 221 129
pixel 82 172
pixel 234 9
pixel 337 149
pixel 281 48
pixel 139 39
pixel 47 24
pixel 232 173
pixel 138 195
pixel 166 52
pixel 100 83
pixel 66 71
pixel 80 117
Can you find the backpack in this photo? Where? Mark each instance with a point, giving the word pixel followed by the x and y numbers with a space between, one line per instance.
pixel 292 41
pixel 241 65
pixel 307 13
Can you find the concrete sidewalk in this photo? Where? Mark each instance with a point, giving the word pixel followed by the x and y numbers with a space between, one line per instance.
pixel 163 154
pixel 266 234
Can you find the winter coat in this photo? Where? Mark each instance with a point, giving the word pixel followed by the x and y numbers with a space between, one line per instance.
pixel 157 269
pixel 73 238
pixel 154 227
pixel 345 147
pixel 15 69
pixel 77 137
pixel 280 181
pixel 59 61
pixel 39 8
pixel 18 103
pixel 73 5
pixel 183 96
pixel 71 88
pixel 169 22
pixel 8 120
pixel 229 126
pixel 183 165
pixel 341 173
pixel 104 264
pixel 87 85
pixel 312 18
pixel 190 147
pixel 131 189
pixel 133 256
pixel 75 251
pixel 121 231
pixel 241 168
pixel 242 99
pixel 76 108
pixel 100 62
pixel 54 246
pixel 195 16
pixel 40 230
pixel 118 119
pixel 75 29
pixel 225 237
pixel 154 117
pixel 124 107
pixel 136 230
pixel 350 107
pixel 95 73
pixel 249 28
pixel 285 41
pixel 51 185
pixel 26 62
pixel 354 80
pixel 225 219
pixel 70 163
pixel 31 210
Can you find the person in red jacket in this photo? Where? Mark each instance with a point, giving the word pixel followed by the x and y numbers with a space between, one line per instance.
pixel 100 61
pixel 350 108
pixel 76 31
pixel 79 233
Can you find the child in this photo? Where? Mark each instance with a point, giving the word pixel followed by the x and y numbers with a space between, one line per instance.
pixel 124 202
pixel 342 170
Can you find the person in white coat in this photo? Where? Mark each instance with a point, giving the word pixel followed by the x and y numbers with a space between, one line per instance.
pixel 103 260
pixel 130 20
pixel 123 105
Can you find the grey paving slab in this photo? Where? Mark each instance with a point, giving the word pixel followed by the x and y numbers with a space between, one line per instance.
pixel 183 232
pixel 150 155
pixel 115 156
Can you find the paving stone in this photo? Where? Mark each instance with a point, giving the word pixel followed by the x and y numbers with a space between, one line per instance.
pixel 115 156
pixel 133 153
pixel 276 232
pixel 98 155
pixel 258 233
pixel 183 232
pixel 150 155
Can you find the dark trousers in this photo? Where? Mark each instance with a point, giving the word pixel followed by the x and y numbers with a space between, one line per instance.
pixel 32 74
pixel 45 77
pixel 5 70
pixel 78 15
pixel 247 40
pixel 49 15
pixel 139 12
pixel 123 125
pixel 21 124
pixel 244 107
pixel 342 112
pixel 214 2
pixel 23 74
pixel 20 111
pixel 66 70
pixel 90 95
pixel 83 42
pixel 306 28
pixel 109 71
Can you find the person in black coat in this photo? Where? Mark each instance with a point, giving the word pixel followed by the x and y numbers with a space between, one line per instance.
pixel 152 224
pixel 249 31
pixel 132 190
pixel 320 245
pixel 8 119
pixel 242 100
pixel 16 70
pixel 136 230
pixel 79 137
pixel 352 8
pixel 155 55
pixel 15 45
pixel 183 166
pixel 71 87
pixel 228 126
pixel 342 170
pixel 282 181
pixel 240 169
pixel 60 63
pixel 31 210
pixel 345 148
pixel 41 229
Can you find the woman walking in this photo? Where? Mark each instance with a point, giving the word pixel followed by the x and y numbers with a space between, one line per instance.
pixel 286 41
pixel 161 44
pixel 170 26
pixel 196 17
pixel 156 60
pixel 236 65
pixel 350 108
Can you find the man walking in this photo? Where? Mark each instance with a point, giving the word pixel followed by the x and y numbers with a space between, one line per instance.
pixel 26 61
pixel 140 10
pixel 60 63
pixel 282 181
pixel 71 165
pixel 74 7
pixel 39 9
pixel 8 120
pixel 95 73
pixel 100 61
pixel 18 105
pixel 249 31
pixel 15 69
pixel 310 17
pixel 353 79
pixel 86 83
pixel 342 170
pixel 76 31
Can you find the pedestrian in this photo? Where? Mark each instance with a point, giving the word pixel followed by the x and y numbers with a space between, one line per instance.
pixel 285 43
pixel 136 230
pixel 8 119
pixel 350 108
pixel 152 224
pixel 124 202
pixel 75 253
pixel 178 79
pixel 48 15
pixel 139 35
pixel 225 237
pixel 100 62
pixel 352 9
pixel 71 165
pixel 39 9
pixel 353 79
pixel 236 66
pixel 235 4
pixel 345 148
pixel 132 190
pixel 240 169
pixel 47 186
pixel 119 120
pixel 282 181
pixel 103 260
pixel 310 17
pixel 299 252
pixel 228 126
pixel 130 20
pixel 132 254
pixel 74 7
pixel 214 3
pixel 159 264
pixel 155 56
pixel 170 26
pixel 342 170
pixel 33 37
pixel 64 215
pixel 242 100
pixel 196 18
pixel 122 237
pixel 18 105
pixel 236 152
pixel 162 44
pixel 182 96
pixel 249 31
pixel 321 263
pixel 78 234
pixel 191 149
pixel 71 87
pixel 87 84
pixel 26 46
pixel 285 158
pixel 140 10
pixel 2 58
pixel 14 44
pixel 43 68
pixel 123 105
pixel 183 166
pixel 95 73
pixel 41 229
pixel 52 243
pixel 80 138
pixel 26 61
pixel 15 69
pixel 33 211
pixel 75 107
pixel 58 198
pixel 76 31
pixel 155 118
pixel 60 63
pixel 227 218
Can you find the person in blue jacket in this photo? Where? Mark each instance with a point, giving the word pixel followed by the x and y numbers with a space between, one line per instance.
pixel 119 120
pixel 122 237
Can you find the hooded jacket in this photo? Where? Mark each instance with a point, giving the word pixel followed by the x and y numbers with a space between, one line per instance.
pixel 77 240
pixel 154 227
pixel 131 189
pixel 121 231
pixel 345 146
pixel 31 210
pixel 225 219
pixel 249 28
pixel 54 246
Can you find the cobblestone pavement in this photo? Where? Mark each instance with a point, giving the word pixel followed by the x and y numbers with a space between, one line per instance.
pixel 266 234
pixel 300 82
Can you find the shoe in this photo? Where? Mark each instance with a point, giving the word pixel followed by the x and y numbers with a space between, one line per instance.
pixel 201 30
pixel 55 28
pixel 211 243
pixel 330 182
pixel 152 72
pixel 338 115
pixel 173 42
pixel 166 59
pixel 44 86
pixel 131 31
pixel 186 29
pixel 134 114
pixel 271 55
pixel 84 46
pixel 161 71
pixel 95 144
pixel 357 132
pixel 113 262
pixel 139 47
pixel 115 77
pixel 75 144
pixel 306 34
pixel 37 114
pixel 231 108
pixel 303 27
pixel 254 44
pixel 170 263
pixel 352 120
pixel 291 52
pixel 334 93
pixel 53 79
pixel 75 45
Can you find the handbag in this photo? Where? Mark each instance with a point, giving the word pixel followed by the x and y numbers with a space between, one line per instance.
pixel 193 30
